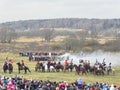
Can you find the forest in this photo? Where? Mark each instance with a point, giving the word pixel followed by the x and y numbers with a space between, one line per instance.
pixel 67 34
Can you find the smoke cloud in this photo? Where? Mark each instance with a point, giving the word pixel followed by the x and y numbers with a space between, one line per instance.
pixel 109 57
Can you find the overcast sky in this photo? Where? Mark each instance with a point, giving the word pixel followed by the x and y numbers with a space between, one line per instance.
pixel 13 10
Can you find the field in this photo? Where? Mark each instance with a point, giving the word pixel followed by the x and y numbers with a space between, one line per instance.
pixel 56 76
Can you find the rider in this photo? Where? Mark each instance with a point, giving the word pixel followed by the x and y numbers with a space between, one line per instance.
pixel 6 60
pixel 22 63
pixel 96 62
pixel 10 66
pixel 110 67
pixel 5 63
pixel 104 64
pixel 66 63
pixel 10 61
pixel 48 65
pixel 71 63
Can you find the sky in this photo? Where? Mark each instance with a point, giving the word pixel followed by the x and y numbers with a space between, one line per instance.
pixel 14 10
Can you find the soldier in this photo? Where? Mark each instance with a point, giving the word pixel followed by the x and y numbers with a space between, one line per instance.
pixel 22 63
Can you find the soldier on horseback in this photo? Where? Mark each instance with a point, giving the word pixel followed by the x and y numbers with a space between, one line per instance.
pixel 22 63
pixel 37 67
pixel 5 66
pixel 10 66
pixel 66 63
pixel 48 65
pixel 110 67
pixel 104 64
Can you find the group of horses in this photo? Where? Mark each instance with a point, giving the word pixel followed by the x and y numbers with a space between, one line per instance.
pixel 83 68
pixel 53 67
pixel 9 67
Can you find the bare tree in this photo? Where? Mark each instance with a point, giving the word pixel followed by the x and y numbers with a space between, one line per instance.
pixel 7 34
pixel 72 44
pixel 81 35
pixel 2 35
pixel 47 34
pixel 94 33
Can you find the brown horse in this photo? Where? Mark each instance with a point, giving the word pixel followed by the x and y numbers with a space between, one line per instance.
pixel 8 66
pixel 97 71
pixel 110 71
pixel 58 67
pixel 77 69
pixel 68 68
pixel 20 67
pixel 81 69
pixel 37 67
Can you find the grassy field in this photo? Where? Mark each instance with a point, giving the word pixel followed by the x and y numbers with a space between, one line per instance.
pixel 53 76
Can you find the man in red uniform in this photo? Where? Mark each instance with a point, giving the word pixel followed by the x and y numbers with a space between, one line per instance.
pixel 10 61
pixel 66 62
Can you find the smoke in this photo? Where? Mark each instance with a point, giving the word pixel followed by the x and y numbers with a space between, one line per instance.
pixel 114 58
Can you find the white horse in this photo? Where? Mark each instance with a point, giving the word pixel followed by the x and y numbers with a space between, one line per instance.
pixel 51 67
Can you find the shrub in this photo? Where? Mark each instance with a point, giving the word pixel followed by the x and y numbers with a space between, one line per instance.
pixel 91 43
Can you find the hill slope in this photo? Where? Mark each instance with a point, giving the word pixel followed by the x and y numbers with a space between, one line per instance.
pixel 76 23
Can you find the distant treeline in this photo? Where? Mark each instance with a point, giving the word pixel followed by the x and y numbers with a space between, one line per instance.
pixel 76 23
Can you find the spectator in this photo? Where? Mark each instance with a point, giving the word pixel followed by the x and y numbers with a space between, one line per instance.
pixel 20 83
pixel 10 86
pixel 112 87
pixel 79 83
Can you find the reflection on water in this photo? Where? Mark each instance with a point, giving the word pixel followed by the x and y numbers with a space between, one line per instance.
pixel 114 58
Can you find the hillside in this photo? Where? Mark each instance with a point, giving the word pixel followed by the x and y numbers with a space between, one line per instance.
pixel 76 23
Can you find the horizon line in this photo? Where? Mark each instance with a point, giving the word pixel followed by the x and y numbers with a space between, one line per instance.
pixel 55 18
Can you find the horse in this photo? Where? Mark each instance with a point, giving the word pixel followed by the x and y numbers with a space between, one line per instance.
pixel 70 67
pixel 40 67
pixel 37 67
pixel 20 67
pixel 8 67
pixel 83 70
pixel 77 69
pixel 58 67
pixel 5 67
pixel 109 71
pixel 98 71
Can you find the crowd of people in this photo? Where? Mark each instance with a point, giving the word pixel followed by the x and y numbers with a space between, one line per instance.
pixel 21 83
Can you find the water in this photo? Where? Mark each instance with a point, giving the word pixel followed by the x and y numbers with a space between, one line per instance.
pixel 114 58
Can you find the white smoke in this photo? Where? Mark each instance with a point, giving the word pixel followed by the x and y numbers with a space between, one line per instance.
pixel 114 58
